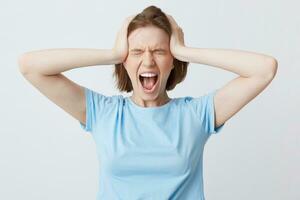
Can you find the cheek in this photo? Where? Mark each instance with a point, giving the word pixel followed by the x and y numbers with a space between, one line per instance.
pixel 168 65
pixel 132 62
pixel 130 68
pixel 165 61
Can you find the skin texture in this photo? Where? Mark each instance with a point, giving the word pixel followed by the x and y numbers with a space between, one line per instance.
pixel 149 50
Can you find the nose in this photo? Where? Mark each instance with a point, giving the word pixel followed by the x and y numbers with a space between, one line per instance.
pixel 148 59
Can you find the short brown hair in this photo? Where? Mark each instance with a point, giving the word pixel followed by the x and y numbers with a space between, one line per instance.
pixel 151 16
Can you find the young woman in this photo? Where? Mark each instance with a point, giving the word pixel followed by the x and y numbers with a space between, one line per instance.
pixel 150 146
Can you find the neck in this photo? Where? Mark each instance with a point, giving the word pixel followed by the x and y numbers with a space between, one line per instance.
pixel 159 101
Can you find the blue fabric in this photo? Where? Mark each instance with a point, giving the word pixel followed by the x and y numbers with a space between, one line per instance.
pixel 150 153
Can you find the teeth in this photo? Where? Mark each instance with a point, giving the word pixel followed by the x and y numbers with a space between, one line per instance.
pixel 148 74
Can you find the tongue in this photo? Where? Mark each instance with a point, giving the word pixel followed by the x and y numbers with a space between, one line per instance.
pixel 148 82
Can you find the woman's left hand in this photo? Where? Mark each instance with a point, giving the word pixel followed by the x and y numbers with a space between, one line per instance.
pixel 177 37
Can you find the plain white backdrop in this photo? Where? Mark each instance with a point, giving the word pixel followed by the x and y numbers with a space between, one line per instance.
pixel 44 154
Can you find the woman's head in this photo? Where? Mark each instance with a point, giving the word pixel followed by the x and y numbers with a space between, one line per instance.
pixel 149 35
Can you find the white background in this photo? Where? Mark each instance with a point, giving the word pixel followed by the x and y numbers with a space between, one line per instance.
pixel 44 154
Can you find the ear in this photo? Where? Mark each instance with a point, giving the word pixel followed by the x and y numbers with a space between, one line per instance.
pixel 173 65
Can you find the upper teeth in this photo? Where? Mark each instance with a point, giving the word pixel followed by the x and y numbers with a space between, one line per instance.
pixel 148 74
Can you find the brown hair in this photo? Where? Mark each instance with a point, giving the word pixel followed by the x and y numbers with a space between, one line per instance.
pixel 151 16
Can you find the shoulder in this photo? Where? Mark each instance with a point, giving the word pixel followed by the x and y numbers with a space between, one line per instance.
pixel 186 103
pixel 198 104
pixel 189 100
pixel 98 98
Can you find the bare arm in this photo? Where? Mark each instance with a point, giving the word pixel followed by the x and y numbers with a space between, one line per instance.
pixel 243 63
pixel 55 61
pixel 43 70
pixel 255 72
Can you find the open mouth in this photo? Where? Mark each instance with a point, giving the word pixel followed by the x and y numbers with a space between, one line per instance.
pixel 149 83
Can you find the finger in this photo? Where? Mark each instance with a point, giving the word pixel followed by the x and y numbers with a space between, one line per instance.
pixel 126 22
pixel 172 21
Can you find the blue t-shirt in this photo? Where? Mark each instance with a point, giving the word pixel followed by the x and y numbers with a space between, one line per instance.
pixel 149 152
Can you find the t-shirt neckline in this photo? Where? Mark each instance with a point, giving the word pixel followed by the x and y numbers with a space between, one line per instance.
pixel 149 108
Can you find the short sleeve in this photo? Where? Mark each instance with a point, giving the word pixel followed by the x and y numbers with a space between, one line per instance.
pixel 94 103
pixel 206 110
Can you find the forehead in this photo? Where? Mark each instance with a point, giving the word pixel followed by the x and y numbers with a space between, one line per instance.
pixel 149 36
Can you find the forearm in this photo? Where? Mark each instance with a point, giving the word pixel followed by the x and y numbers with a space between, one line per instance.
pixel 55 61
pixel 243 63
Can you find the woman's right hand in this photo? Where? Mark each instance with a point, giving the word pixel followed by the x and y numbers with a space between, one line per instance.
pixel 120 48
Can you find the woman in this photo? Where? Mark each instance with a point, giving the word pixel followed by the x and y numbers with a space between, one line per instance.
pixel 149 145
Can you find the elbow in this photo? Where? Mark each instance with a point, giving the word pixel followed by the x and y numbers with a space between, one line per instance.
pixel 271 66
pixel 22 63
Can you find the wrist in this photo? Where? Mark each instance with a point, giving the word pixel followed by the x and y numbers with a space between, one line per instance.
pixel 116 57
pixel 179 53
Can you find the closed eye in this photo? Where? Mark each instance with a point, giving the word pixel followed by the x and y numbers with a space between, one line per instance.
pixel 160 51
pixel 136 51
